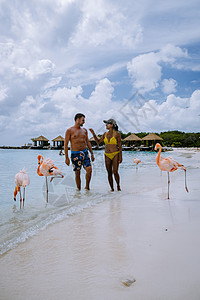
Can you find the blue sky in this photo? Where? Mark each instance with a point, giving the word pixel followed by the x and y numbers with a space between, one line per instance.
pixel 60 57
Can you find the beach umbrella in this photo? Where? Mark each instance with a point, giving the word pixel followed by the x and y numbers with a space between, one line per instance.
pixel 132 137
pixel 152 137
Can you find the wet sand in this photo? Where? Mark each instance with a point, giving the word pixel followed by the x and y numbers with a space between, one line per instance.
pixel 139 235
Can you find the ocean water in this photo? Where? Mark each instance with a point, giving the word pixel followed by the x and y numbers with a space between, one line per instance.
pixel 17 225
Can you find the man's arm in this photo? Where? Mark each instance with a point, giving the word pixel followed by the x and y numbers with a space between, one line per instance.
pixel 89 146
pixel 67 138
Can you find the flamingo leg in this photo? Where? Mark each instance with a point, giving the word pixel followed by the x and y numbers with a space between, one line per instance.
pixel 23 196
pixel 186 183
pixel 168 183
pixel 47 188
pixel 20 197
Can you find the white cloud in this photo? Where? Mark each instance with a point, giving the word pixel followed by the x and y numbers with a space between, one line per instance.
pixel 51 117
pixel 70 100
pixel 195 102
pixel 175 113
pixel 52 82
pixel 93 75
pixel 3 94
pixel 169 86
pixel 40 67
pixel 170 53
pixel 104 23
pixel 146 70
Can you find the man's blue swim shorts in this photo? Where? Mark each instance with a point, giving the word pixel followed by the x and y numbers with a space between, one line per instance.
pixel 79 159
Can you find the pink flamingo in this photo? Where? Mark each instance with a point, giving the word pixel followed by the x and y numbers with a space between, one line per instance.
pixel 168 164
pixel 136 161
pixel 21 180
pixel 47 168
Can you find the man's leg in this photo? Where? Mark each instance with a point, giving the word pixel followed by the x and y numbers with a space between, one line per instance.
pixel 88 177
pixel 78 179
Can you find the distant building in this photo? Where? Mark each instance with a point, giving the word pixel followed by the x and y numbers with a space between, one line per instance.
pixel 151 139
pixel 132 139
pixel 40 141
pixel 58 142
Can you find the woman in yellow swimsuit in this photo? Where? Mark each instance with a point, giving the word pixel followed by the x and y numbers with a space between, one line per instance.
pixel 113 151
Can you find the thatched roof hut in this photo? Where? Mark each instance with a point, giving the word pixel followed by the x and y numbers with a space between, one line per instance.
pixel 42 141
pixel 41 138
pixel 58 141
pixel 132 140
pixel 132 137
pixel 151 139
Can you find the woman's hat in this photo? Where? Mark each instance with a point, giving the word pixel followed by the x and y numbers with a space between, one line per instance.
pixel 110 121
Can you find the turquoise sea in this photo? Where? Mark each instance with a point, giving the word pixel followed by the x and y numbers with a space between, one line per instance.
pixel 17 225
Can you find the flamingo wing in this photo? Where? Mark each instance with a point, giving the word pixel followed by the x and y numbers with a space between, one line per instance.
pixel 18 180
pixel 56 172
pixel 26 180
pixel 47 168
pixel 22 178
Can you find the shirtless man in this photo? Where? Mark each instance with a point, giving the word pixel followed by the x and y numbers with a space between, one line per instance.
pixel 80 144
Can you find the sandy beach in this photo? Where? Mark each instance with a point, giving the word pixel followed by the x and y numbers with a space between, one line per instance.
pixel 139 235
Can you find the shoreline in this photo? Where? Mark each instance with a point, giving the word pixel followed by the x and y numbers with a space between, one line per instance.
pixel 124 148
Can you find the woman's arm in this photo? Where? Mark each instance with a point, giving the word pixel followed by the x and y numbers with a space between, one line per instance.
pixel 89 146
pixel 119 144
pixel 98 140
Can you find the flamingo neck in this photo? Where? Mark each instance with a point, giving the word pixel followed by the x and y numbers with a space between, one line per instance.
pixel 158 156
pixel 16 191
pixel 40 161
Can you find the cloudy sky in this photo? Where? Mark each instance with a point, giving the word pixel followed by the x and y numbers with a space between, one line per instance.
pixel 135 61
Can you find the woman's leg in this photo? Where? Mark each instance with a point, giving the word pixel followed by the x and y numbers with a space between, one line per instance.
pixel 108 163
pixel 115 171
